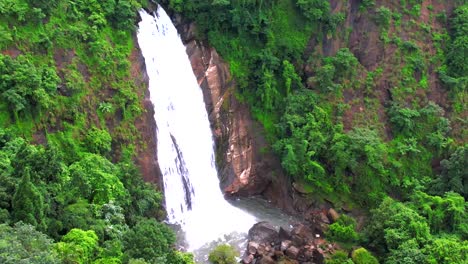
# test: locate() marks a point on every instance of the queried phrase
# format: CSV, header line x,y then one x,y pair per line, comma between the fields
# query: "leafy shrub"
x,y
343,230
340,257
362,256
315,10
454,174
98,141
148,240
223,254
383,17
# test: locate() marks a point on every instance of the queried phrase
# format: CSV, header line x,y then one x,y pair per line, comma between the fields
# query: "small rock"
x,y
285,244
333,215
283,234
308,254
248,259
292,252
297,240
319,256
279,254
324,218
302,231
266,260
261,250
252,247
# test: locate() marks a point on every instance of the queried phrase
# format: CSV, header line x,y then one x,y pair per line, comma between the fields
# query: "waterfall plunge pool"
x,y
261,209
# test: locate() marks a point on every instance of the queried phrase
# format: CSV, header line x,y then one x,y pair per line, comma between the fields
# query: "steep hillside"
x,y
364,102
76,135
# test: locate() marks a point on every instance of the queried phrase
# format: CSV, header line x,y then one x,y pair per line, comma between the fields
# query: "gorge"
x,y
351,115
185,147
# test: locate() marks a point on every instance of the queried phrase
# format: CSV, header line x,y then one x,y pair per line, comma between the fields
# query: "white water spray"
x,y
185,144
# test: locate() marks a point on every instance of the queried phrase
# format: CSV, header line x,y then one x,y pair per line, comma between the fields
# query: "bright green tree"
x,y
343,230
223,254
78,246
95,178
98,141
446,250
362,256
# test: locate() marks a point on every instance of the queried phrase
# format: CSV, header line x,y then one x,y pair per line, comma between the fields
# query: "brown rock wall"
x,y
244,169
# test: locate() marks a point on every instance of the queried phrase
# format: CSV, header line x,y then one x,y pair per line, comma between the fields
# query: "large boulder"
x,y
263,232
292,252
301,234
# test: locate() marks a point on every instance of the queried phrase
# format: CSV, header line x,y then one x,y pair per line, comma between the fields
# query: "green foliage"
x,y
362,256
315,10
408,252
446,251
393,223
428,124
24,244
343,230
28,203
223,254
24,86
59,60
362,155
146,200
447,213
458,48
304,138
339,257
148,240
324,78
366,4
178,257
335,70
78,246
95,178
98,141
454,175
292,80
77,215
383,17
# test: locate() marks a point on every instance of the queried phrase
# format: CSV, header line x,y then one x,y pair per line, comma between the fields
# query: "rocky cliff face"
x,y
146,156
244,169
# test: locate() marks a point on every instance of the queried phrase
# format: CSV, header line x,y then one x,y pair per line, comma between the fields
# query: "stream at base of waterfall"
x,y
194,201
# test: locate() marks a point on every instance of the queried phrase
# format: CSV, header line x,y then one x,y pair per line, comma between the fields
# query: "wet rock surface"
x,y
266,245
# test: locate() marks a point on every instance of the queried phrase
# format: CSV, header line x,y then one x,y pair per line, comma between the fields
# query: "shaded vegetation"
x,y
69,189
358,119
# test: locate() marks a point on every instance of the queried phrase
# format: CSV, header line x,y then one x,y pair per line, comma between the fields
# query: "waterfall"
x,y
184,138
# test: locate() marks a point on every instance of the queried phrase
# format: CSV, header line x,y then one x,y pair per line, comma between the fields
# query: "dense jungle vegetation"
x,y
70,191
355,131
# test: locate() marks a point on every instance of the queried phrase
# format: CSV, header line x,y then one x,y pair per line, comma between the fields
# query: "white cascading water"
x,y
184,138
